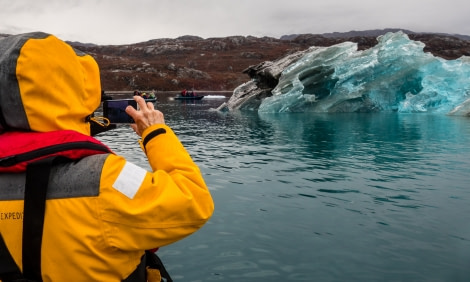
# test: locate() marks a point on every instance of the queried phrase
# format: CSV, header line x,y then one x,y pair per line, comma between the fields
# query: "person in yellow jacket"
x,y
101,211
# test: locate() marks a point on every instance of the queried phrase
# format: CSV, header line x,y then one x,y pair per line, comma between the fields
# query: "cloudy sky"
x,y
131,21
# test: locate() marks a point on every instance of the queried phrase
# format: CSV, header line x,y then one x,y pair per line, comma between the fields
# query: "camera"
x,y
115,110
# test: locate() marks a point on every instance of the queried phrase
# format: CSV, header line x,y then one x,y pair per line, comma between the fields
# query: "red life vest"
x,y
35,153
18,149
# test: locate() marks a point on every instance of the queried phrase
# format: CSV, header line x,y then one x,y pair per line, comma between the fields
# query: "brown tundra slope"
x,y
218,63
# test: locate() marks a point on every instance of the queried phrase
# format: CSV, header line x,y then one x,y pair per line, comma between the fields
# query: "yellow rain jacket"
x,y
114,209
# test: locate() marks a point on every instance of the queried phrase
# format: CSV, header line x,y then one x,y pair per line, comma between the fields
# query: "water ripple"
x,y
322,197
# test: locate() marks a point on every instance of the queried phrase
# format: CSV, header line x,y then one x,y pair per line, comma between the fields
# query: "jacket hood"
x,y
46,85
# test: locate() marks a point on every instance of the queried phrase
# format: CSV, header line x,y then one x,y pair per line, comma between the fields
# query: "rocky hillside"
x,y
218,63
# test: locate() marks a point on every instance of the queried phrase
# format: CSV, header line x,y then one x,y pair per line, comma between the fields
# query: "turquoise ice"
x,y
394,75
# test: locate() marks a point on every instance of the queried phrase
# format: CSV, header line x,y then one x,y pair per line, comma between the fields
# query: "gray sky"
x,y
131,21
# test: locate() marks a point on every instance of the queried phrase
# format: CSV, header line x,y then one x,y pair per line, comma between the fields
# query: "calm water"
x,y
322,197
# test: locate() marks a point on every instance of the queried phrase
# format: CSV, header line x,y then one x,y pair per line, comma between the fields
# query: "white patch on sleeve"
x,y
130,179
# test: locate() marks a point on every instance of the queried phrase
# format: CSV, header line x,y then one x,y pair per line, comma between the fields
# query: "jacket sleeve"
x,y
143,210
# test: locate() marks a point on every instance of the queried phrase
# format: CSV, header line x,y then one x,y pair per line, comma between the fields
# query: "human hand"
x,y
145,117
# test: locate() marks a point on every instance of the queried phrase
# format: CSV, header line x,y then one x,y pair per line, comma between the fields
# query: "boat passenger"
x,y
101,213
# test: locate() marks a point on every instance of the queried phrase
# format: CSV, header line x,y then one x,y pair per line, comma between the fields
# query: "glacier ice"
x,y
394,75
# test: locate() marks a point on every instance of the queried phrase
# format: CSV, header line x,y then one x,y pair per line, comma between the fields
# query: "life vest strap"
x,y
37,181
149,263
154,262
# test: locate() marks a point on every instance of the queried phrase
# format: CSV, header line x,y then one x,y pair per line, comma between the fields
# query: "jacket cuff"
x,y
150,133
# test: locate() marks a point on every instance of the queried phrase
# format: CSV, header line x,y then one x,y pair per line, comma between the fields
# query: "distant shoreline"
x,y
111,92
129,94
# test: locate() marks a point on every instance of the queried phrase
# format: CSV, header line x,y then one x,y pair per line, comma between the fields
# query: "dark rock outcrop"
x,y
264,77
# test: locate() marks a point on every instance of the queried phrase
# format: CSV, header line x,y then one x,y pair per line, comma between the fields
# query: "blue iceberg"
x,y
394,75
